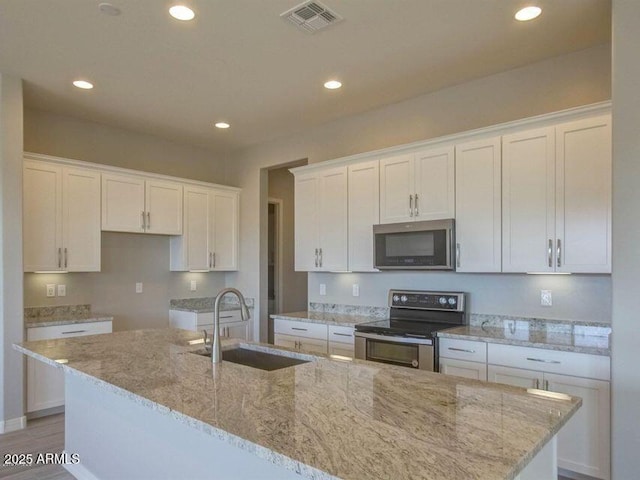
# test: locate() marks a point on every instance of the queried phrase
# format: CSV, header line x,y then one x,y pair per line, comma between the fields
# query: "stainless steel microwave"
x,y
424,245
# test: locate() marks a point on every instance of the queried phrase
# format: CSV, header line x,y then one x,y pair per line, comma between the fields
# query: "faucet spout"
x,y
216,351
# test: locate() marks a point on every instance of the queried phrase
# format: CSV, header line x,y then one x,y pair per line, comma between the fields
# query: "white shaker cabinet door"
x,y
528,201
123,203
583,196
478,206
42,216
197,223
224,230
397,188
163,201
364,213
81,220
464,369
434,184
333,220
517,377
306,223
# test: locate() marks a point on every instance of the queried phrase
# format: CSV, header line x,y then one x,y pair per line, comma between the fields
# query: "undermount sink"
x,y
255,359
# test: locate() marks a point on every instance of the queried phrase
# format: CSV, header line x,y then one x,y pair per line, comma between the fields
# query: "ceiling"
x,y
240,62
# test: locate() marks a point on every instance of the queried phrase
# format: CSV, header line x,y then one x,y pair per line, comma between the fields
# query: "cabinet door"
x,y
45,386
238,330
286,341
42,216
396,186
81,220
364,213
583,196
583,443
435,184
163,202
515,376
341,349
197,225
224,233
478,206
333,220
528,203
306,222
462,368
122,203
312,345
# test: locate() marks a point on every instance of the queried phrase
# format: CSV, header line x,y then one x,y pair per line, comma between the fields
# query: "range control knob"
x,y
442,300
452,301
396,298
403,298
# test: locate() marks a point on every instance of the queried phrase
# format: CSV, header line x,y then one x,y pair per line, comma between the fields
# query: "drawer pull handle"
x,y
461,350
301,329
73,331
226,316
343,334
543,361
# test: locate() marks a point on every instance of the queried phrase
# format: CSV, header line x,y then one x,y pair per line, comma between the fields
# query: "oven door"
x,y
414,245
406,352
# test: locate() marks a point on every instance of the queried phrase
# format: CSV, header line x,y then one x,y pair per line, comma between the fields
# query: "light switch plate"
x,y
194,285
62,290
546,299
355,290
51,290
139,287
323,289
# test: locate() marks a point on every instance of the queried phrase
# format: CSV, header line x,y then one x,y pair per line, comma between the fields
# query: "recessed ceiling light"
x,y
528,13
332,84
222,125
83,84
182,12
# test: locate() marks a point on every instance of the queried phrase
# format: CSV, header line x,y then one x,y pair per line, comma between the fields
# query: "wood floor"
x,y
43,435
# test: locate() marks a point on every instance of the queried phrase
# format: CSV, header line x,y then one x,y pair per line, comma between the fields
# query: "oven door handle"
x,y
392,339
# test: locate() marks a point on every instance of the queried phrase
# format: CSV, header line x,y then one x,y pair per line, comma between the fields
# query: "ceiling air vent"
x,y
311,16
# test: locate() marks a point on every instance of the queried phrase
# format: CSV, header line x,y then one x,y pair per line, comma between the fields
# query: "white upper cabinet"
x,y
210,237
478,206
61,220
557,198
418,186
321,222
133,204
528,201
583,196
364,213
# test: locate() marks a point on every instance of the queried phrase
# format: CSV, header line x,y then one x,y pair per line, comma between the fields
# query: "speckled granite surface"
x,y
360,310
570,336
327,418
61,315
205,304
326,318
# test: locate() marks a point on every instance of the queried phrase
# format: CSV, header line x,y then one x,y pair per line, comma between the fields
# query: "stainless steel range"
x,y
408,338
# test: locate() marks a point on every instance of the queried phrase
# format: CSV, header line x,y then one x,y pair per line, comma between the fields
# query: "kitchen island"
x,y
140,405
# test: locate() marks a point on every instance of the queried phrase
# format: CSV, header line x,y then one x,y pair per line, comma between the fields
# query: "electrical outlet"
x,y
51,290
355,290
546,300
194,285
62,290
139,287
323,289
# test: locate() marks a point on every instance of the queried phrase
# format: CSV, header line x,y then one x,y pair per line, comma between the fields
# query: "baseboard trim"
x,y
13,424
79,471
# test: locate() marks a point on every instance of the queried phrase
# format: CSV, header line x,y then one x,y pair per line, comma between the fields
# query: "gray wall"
x,y
127,258
294,284
11,330
567,81
626,238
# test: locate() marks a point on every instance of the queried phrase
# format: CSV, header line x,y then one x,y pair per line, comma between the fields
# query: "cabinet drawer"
x,y
565,363
300,329
463,349
341,334
66,331
230,316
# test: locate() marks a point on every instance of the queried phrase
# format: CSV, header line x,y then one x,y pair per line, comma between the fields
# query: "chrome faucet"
x,y
216,351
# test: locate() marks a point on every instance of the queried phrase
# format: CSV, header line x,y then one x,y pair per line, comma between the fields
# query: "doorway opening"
x,y
274,257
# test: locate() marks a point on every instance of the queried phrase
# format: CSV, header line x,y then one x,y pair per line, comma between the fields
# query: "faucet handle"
x,y
205,341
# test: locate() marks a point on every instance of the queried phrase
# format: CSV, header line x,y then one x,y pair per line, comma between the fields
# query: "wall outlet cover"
x,y
62,290
51,290
323,289
138,287
355,290
546,299
194,285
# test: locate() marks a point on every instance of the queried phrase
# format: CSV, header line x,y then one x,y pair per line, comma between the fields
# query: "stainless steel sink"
x,y
255,359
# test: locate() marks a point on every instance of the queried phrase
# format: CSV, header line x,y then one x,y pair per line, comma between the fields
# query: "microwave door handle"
x,y
411,205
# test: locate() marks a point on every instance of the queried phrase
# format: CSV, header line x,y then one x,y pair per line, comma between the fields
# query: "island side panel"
x,y
118,438
544,466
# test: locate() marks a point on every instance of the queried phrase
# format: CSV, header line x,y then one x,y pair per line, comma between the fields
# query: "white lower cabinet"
x,y
45,384
314,337
231,323
584,442
463,358
463,368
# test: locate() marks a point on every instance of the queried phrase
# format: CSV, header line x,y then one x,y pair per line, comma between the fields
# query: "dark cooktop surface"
x,y
404,328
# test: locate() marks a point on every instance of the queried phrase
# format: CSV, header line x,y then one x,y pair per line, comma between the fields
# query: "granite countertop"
x,y
328,318
579,337
327,418
61,315
205,304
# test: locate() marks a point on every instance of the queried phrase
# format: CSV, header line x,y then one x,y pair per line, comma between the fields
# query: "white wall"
x,y
555,84
11,331
626,238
